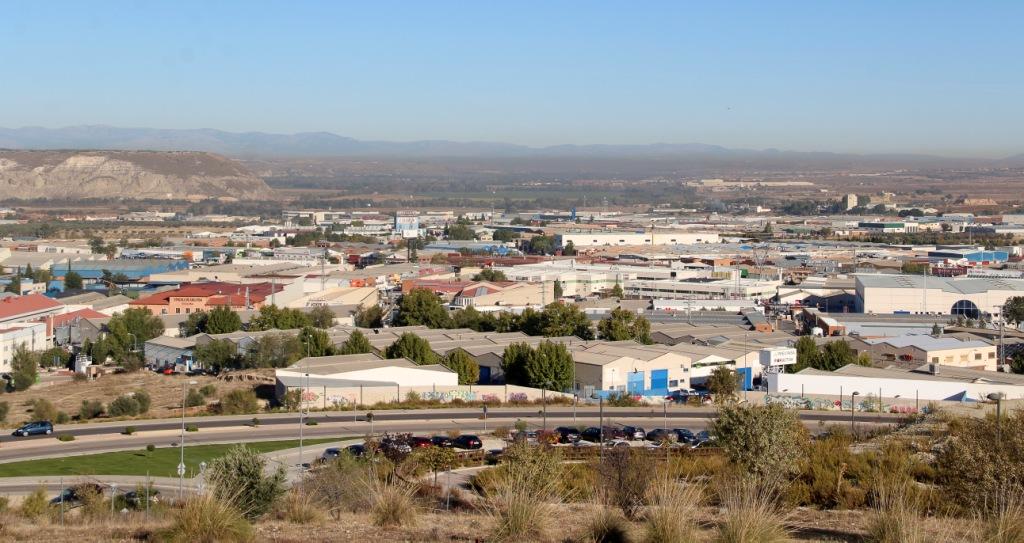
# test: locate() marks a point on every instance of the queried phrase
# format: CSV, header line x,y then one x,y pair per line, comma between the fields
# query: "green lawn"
x,y
163,462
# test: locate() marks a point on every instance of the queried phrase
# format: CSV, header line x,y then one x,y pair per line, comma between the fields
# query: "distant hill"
x,y
128,174
326,144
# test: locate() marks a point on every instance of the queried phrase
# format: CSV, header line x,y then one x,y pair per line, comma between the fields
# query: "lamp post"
x,y
600,410
303,408
853,409
181,443
998,397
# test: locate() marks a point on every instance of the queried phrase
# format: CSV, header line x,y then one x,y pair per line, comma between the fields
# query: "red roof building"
x,y
29,307
195,297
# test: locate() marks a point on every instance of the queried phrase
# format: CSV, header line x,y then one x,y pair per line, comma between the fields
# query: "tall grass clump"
x,y
206,519
35,504
605,525
1007,526
523,496
242,479
896,517
752,514
671,516
392,503
299,507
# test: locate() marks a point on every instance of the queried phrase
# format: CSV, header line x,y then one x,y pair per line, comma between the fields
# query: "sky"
x,y
867,76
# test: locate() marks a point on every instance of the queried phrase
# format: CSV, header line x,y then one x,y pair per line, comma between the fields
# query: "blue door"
x,y
635,382
746,378
485,375
659,382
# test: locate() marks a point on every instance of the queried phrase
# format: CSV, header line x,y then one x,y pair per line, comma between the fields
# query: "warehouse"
x,y
969,297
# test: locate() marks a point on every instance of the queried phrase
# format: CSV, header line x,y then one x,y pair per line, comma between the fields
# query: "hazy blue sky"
x,y
933,76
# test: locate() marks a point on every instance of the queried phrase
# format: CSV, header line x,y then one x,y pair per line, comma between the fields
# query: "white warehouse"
x,y
603,238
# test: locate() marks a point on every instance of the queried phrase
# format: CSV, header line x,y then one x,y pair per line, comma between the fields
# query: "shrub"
x,y
150,448
763,440
238,477
255,421
391,504
144,401
123,406
239,402
671,517
605,525
91,500
62,418
90,409
895,518
207,518
973,470
192,427
622,399
625,476
35,504
525,488
1007,525
311,423
208,390
5,408
298,507
65,437
752,514
341,484
194,398
129,430
43,409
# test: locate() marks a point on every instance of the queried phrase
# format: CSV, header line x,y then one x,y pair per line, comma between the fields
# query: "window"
x,y
977,356
177,310
991,355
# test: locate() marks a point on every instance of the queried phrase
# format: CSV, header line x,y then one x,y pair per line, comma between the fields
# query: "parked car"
x,y
330,454
567,434
683,435
417,442
634,433
593,434
442,441
468,442
528,436
660,434
703,435
358,450
684,394
39,427
136,499
395,444
73,496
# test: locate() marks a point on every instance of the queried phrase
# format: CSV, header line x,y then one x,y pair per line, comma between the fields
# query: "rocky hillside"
x,y
128,174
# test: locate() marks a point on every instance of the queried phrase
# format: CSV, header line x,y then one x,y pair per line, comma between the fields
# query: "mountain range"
x,y
326,144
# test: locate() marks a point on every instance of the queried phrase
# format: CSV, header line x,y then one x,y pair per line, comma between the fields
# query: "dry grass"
x,y
751,514
896,518
671,516
205,519
605,525
299,507
391,503
164,390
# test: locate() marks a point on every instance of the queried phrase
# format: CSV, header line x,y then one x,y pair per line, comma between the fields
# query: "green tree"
x,y
369,317
623,325
15,285
194,398
835,355
422,307
222,320
558,289
194,324
242,478
569,249
541,245
239,402
217,354
24,368
275,350
272,317
72,280
505,235
131,328
123,406
723,384
550,365
437,459
413,347
763,440
1013,310
315,342
90,409
513,363
807,354
474,320
616,291
463,364
321,316
560,319
459,232
355,344
490,274
912,268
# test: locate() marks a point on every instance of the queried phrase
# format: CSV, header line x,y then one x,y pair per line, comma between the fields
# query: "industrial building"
x,y
969,297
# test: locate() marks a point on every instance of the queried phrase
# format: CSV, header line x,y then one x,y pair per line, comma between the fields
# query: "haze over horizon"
x,y
916,77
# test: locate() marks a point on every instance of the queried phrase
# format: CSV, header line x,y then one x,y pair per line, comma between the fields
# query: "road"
x,y
103,437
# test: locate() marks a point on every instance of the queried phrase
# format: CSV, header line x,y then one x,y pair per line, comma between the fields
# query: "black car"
x,y
39,427
137,499
442,441
659,435
329,454
567,434
468,442
634,433
684,435
72,497
593,434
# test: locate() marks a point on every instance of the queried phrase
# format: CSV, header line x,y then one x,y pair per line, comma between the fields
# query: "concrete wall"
x,y
406,377
925,389
328,398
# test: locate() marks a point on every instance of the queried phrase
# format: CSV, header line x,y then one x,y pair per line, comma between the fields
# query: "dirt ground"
x,y
564,526
67,396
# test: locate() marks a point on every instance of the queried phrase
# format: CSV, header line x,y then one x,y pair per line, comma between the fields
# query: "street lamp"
x,y
853,407
303,408
600,407
181,443
998,397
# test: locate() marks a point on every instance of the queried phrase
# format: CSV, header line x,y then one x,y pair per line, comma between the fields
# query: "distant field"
x,y
162,462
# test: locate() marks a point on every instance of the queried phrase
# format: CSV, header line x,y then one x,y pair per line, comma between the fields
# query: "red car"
x,y
417,442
